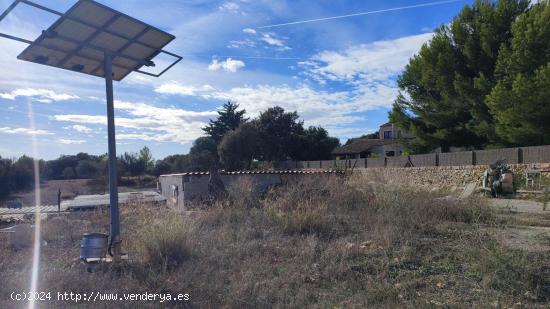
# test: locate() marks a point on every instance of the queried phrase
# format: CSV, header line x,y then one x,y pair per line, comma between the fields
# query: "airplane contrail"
x,y
361,13
260,57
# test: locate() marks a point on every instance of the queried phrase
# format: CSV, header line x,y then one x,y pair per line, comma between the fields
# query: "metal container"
x,y
93,246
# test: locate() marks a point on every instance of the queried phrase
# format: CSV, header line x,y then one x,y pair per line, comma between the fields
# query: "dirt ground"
x,y
520,206
528,228
305,245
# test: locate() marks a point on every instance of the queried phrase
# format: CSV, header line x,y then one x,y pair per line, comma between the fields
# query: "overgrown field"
x,y
330,243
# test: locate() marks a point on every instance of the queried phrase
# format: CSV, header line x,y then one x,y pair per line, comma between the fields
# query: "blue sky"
x,y
337,73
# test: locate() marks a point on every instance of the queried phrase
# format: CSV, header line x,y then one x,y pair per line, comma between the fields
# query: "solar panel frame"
x,y
80,54
126,49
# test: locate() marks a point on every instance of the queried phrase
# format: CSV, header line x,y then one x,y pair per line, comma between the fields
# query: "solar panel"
x,y
78,39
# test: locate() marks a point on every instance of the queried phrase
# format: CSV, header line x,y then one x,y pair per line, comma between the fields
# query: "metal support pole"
x,y
113,187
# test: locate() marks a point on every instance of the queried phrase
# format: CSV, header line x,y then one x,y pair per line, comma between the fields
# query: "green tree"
x,y
130,165
57,166
521,99
161,167
5,180
447,82
146,161
178,163
279,134
199,161
22,173
88,169
68,173
316,144
229,118
239,147
204,143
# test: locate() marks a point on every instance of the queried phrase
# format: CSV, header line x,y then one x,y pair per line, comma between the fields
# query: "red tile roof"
x,y
362,145
305,171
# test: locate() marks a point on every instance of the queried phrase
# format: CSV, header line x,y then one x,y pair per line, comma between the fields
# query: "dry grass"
x,y
325,242
166,244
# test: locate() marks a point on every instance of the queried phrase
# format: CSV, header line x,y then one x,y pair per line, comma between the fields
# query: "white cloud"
x,y
136,136
80,128
24,131
374,62
231,7
272,40
150,123
330,109
269,38
241,43
71,141
176,88
266,37
88,119
40,95
229,65
315,107
368,70
138,79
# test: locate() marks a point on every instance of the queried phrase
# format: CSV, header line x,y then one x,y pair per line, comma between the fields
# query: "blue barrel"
x,y
93,246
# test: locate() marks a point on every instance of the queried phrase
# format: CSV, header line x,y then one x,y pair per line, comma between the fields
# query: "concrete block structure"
x,y
181,189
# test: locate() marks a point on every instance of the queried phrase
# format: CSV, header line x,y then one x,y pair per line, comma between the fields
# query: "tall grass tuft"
x,y
167,245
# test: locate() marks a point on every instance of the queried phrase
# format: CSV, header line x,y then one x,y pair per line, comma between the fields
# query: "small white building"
x,y
180,189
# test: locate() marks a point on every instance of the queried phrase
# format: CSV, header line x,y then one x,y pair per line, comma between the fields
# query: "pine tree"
x,y
521,99
443,88
229,118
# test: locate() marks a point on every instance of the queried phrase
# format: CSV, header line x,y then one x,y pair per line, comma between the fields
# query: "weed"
x,y
166,245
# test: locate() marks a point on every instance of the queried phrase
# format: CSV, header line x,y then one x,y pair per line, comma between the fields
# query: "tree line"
x,y
482,81
18,174
231,142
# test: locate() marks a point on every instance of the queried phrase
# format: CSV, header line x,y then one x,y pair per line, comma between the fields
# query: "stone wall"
x,y
437,177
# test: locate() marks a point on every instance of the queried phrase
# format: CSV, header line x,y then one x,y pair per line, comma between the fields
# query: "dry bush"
x,y
166,245
307,206
309,217
398,216
241,194
315,242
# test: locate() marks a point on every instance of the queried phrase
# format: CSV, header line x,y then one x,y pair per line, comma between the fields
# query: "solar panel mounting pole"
x,y
77,41
113,185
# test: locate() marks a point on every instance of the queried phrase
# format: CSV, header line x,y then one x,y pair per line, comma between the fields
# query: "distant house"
x,y
387,144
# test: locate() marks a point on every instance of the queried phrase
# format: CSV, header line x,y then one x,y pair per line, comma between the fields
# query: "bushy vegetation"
x,y
482,81
232,142
275,135
166,244
326,242
18,174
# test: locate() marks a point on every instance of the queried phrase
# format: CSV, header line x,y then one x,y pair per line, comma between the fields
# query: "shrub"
x,y
167,245
241,194
306,218
306,206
